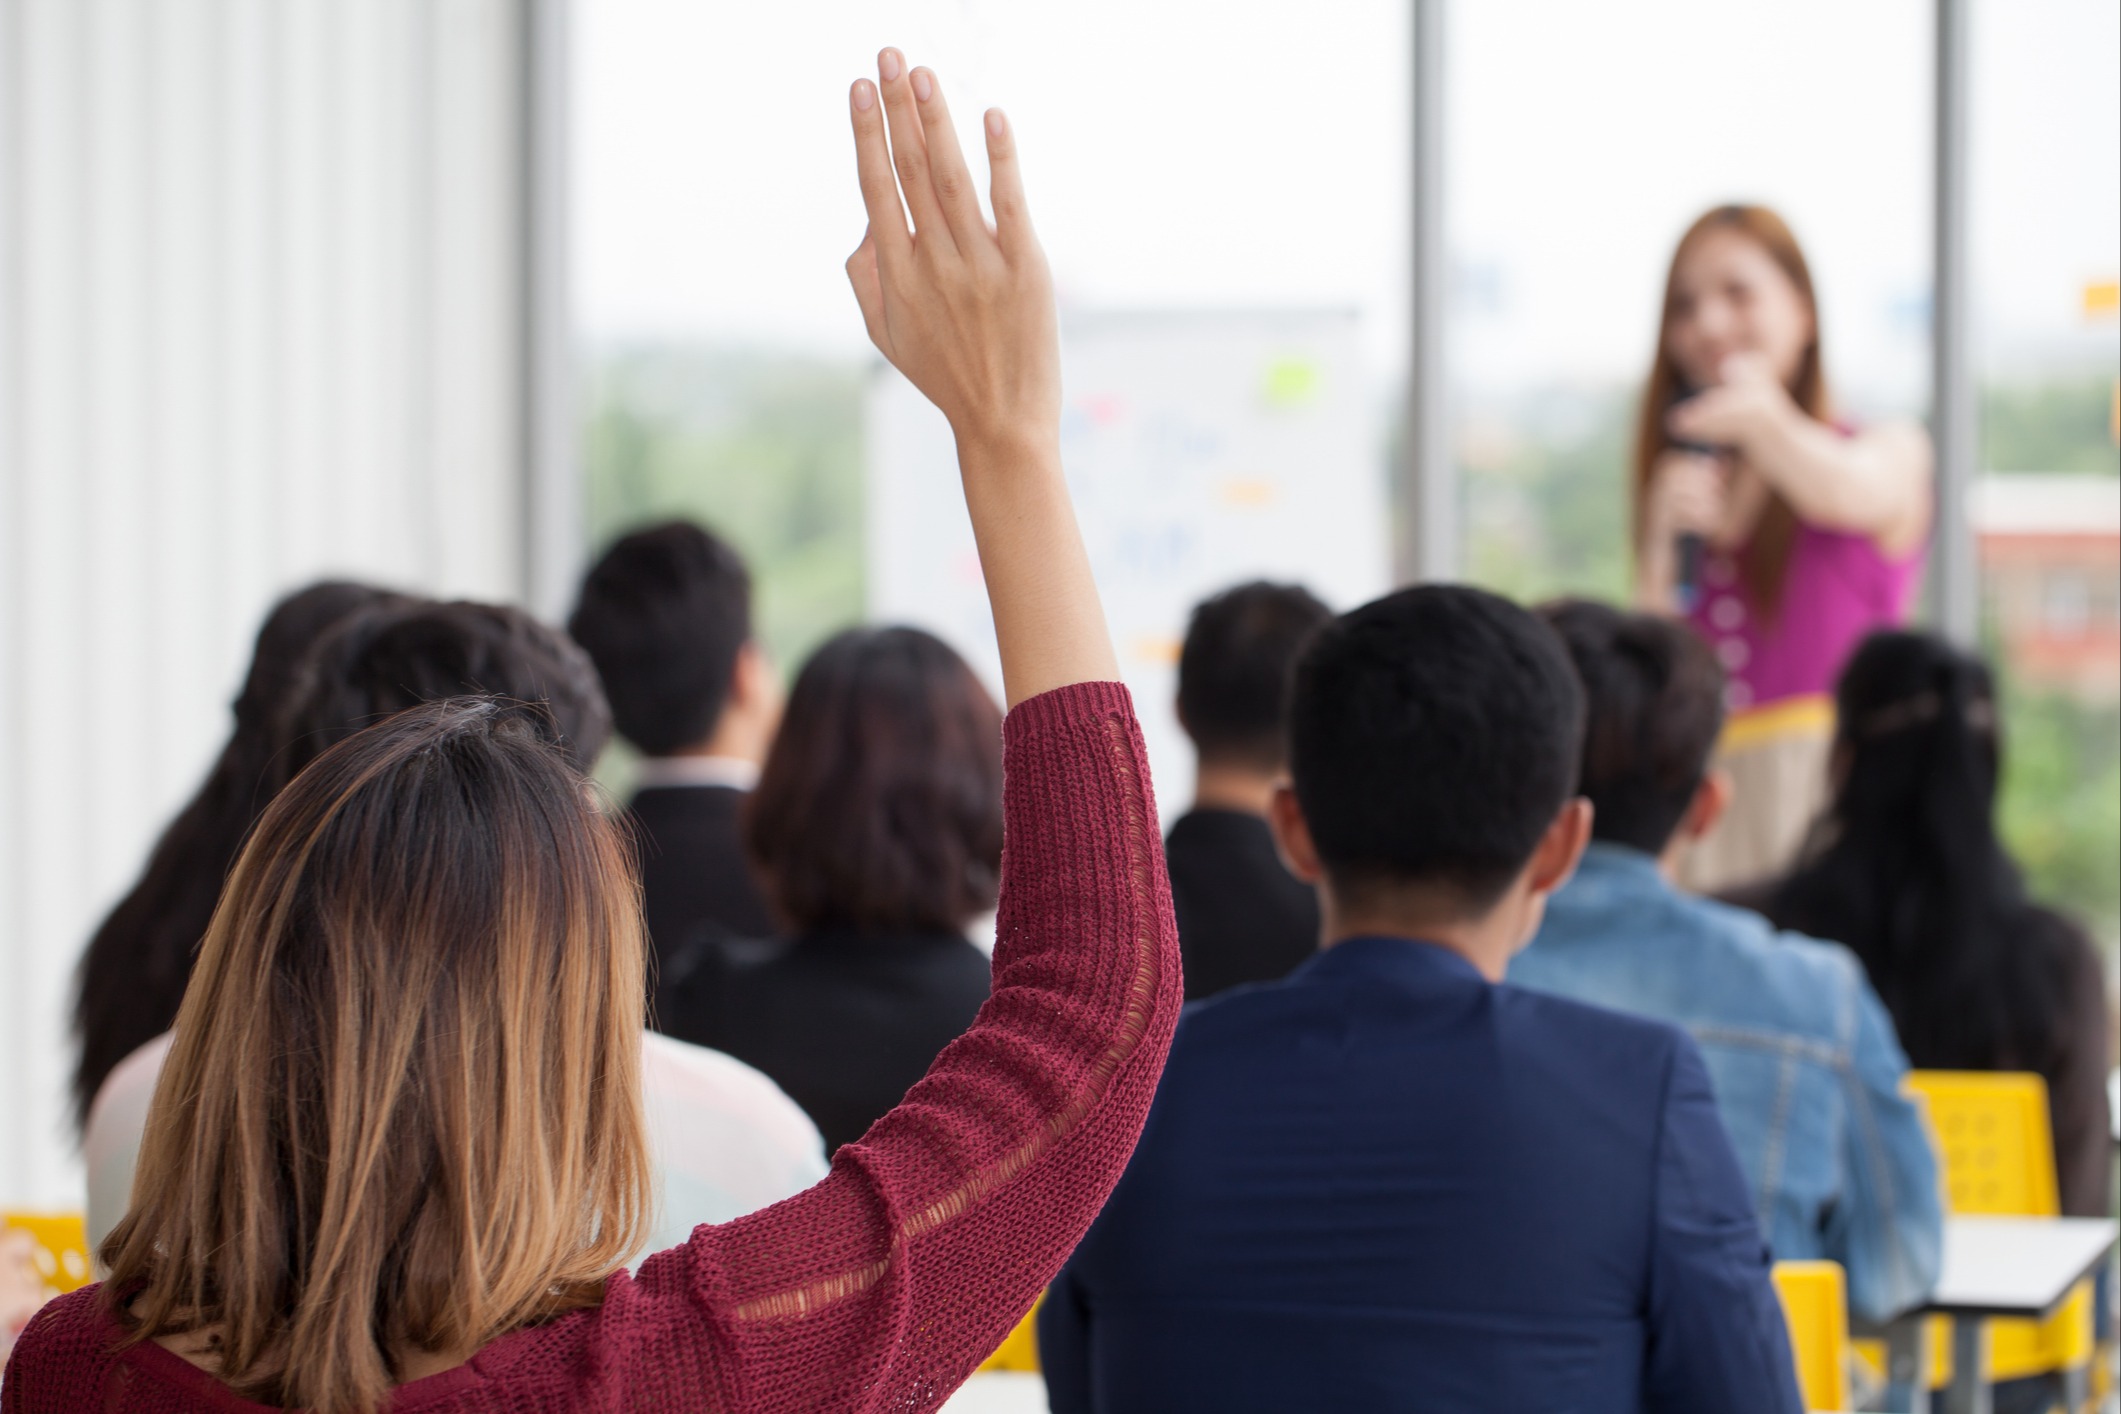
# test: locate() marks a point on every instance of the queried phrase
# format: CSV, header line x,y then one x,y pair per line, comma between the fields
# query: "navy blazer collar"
x,y
1407,961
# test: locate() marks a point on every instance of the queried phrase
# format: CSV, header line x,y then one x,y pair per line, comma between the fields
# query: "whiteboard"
x,y
1203,449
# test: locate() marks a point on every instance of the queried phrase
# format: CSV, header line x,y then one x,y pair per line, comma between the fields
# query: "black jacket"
x,y
1242,917
694,876
844,1022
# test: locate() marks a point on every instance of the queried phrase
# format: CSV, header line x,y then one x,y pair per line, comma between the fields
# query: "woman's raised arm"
x,y
885,1285
965,311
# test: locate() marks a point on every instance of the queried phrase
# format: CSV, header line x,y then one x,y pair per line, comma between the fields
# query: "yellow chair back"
x,y
1815,1303
62,1246
1998,1156
1019,1349
1993,1141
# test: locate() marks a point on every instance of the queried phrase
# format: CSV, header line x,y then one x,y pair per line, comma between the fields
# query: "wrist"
x,y
1018,442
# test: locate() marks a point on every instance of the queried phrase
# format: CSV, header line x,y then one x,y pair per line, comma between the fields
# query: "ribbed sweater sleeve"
x,y
887,1284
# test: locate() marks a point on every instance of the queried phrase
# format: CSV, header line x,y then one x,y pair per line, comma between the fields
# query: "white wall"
x,y
263,274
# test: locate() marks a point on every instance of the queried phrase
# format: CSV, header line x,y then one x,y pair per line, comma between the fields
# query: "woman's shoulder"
x,y
61,1354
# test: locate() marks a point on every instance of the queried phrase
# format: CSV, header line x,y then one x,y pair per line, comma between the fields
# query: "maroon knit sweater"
x,y
884,1286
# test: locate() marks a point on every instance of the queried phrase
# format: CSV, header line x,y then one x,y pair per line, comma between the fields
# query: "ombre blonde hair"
x,y
402,1109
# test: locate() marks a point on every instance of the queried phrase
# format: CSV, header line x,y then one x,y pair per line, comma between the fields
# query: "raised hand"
x,y
963,309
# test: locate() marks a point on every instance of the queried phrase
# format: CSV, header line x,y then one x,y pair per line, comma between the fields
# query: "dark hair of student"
x,y
1233,673
1906,869
879,807
1653,708
135,969
663,615
381,661
1433,738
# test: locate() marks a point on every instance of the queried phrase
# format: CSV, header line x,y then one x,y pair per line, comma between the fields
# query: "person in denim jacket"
x,y
1806,1067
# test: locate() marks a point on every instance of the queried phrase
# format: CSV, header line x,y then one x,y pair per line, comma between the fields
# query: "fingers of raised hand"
x,y
946,166
1012,219
872,159
909,148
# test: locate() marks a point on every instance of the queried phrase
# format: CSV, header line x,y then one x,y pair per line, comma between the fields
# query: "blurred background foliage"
x,y
766,447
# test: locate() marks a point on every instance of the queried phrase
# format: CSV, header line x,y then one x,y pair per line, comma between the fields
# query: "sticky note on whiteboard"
x,y
1290,382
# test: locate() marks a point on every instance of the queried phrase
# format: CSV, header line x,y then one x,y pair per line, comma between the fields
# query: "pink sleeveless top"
x,y
1839,588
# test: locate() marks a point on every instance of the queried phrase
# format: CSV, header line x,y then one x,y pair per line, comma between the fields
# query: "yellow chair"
x,y
1019,1349
62,1246
1998,1157
1815,1303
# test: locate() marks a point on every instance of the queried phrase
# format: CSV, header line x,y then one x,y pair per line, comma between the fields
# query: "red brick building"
x,y
2051,570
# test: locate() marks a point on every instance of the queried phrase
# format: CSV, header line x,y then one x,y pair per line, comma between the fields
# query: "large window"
x,y
1582,140
1180,156
2046,255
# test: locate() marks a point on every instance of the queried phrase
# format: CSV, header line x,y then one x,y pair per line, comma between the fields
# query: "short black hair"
x,y
1653,698
379,661
664,614
1433,738
1233,673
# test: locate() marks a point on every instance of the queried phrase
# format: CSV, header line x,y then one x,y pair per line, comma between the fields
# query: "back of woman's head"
x,y
401,1112
1907,869
134,971
880,805
391,657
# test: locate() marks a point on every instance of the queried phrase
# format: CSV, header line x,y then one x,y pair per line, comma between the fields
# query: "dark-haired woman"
x,y
133,974
1906,869
1780,532
876,827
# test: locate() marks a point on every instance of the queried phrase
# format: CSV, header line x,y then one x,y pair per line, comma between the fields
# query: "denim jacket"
x,y
1802,1055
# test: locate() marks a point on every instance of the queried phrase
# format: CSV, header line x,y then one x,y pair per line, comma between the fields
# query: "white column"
x,y
1431,528
1954,416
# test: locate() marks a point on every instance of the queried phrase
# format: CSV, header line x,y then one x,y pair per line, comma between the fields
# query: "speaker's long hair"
x,y
402,1111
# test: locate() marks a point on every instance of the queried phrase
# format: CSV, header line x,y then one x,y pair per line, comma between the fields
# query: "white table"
x,y
2018,1267
999,1393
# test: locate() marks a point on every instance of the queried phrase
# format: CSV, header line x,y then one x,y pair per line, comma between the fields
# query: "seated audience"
x,y
1242,916
1907,870
877,829
1806,1071
666,617
397,1156
725,1141
133,973
1389,1181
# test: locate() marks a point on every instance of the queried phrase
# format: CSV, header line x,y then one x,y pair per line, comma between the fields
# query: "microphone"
x,y
1689,547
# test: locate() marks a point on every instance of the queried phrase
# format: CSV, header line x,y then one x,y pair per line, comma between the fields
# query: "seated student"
x,y
132,976
726,1141
1388,1181
877,828
1242,916
1908,871
1806,1069
413,1184
666,617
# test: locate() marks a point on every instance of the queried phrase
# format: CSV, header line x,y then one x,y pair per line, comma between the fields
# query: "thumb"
x,y
868,282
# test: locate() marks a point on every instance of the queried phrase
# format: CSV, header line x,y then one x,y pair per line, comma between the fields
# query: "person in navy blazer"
x,y
1388,1181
